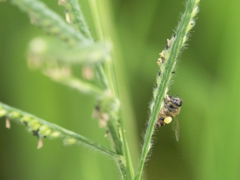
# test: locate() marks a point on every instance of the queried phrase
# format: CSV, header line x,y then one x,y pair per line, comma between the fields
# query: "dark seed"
x,y
35,133
159,73
97,108
163,59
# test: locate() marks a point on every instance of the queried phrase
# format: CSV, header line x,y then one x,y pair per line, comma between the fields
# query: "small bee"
x,y
171,108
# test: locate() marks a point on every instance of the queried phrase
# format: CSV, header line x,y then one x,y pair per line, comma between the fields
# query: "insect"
x,y
171,108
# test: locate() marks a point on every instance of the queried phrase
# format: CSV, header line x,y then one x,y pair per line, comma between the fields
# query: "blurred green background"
x,y
206,78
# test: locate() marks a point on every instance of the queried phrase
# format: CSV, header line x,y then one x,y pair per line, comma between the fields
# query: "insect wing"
x,y
175,127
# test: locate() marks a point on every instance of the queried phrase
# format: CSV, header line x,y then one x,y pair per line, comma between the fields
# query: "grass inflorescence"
x,y
169,58
77,47
44,129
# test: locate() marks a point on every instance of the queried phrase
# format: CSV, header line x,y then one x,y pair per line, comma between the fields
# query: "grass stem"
x,y
176,47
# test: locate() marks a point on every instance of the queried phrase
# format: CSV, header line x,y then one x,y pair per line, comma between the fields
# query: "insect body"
x,y
171,108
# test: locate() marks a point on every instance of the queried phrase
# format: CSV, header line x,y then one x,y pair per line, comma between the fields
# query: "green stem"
x,y
107,81
129,171
176,47
96,16
115,137
102,76
75,17
82,25
129,165
64,132
100,69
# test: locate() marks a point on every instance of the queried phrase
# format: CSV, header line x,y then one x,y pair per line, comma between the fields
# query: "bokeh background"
x,y
206,78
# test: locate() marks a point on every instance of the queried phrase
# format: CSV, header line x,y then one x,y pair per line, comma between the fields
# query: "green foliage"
x,y
206,79
44,56
56,67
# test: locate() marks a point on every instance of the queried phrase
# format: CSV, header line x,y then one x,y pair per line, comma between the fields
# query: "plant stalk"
x,y
176,47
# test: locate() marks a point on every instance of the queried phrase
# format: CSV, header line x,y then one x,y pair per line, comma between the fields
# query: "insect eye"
x,y
171,106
